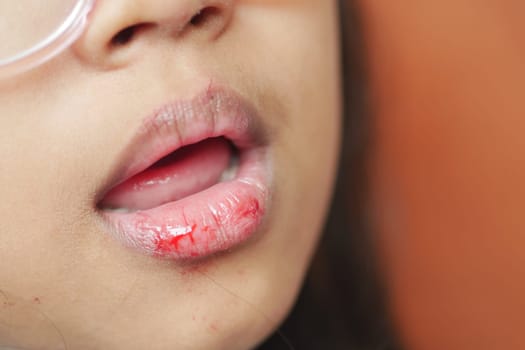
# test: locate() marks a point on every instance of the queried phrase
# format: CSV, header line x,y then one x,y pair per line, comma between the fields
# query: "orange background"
x,y
448,168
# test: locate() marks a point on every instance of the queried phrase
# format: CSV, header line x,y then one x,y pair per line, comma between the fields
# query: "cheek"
x,y
292,52
310,84
44,184
300,52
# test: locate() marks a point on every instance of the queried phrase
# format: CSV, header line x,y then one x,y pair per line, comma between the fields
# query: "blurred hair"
x,y
342,304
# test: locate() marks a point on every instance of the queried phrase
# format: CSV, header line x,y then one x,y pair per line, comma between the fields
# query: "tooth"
x,y
118,210
230,172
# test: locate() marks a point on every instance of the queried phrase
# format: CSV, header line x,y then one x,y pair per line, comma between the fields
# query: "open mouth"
x,y
195,179
188,170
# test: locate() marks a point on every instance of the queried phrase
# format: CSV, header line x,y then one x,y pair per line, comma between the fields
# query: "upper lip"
x,y
216,111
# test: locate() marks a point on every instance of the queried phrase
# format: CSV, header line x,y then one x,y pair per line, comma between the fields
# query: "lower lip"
x,y
209,222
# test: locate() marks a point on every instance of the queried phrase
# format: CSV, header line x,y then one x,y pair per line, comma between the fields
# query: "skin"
x,y
448,168
65,283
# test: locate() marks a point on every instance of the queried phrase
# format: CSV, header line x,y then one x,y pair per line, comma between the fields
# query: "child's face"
x,y
189,261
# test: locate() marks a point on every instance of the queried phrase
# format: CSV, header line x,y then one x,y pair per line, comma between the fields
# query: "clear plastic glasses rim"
x,y
52,45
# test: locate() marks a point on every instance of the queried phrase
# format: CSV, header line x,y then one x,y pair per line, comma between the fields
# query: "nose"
x,y
118,26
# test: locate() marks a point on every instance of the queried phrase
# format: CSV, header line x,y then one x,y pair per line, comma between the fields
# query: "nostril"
x,y
205,16
124,36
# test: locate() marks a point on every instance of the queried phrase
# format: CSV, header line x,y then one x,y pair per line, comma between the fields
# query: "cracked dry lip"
x,y
217,218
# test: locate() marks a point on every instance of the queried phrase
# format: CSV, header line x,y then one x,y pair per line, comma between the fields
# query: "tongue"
x,y
188,170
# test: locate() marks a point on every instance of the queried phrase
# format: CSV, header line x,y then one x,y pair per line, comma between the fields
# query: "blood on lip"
x,y
167,245
181,239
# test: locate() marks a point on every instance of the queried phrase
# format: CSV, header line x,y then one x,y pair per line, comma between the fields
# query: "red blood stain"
x,y
251,210
167,245
210,232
